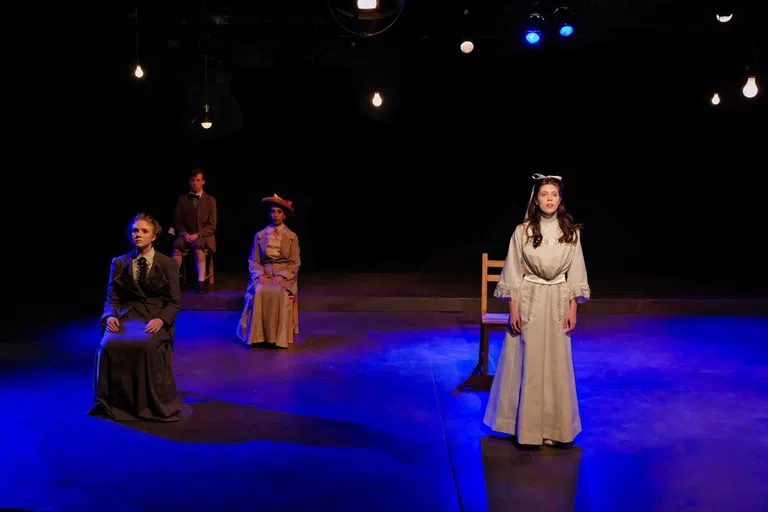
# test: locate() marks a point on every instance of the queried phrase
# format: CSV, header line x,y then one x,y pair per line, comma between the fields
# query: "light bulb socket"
x,y
206,122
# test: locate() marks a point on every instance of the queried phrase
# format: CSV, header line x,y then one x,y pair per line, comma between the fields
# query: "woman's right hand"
x,y
514,317
113,324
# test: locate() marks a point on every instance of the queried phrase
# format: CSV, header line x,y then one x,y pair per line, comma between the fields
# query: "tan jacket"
x,y
285,265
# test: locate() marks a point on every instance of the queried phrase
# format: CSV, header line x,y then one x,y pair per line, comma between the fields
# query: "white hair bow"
x,y
538,176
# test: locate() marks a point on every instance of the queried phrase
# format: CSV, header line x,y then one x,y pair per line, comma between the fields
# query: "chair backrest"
x,y
488,277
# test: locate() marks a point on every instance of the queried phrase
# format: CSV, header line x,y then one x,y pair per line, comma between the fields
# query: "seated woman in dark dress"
x,y
133,376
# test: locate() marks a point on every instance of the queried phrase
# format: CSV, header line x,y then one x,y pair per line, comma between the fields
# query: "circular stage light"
x,y
366,19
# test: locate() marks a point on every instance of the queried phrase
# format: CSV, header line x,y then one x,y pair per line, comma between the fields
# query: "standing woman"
x,y
274,264
133,378
533,395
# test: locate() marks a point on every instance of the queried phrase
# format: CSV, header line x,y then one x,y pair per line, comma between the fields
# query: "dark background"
x,y
442,172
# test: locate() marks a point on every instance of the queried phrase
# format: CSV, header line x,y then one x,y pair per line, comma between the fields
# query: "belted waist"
x,y
540,280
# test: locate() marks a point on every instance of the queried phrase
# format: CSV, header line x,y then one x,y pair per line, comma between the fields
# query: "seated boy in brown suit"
x,y
195,224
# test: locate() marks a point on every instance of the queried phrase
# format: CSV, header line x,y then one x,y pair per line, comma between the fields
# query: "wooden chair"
x,y
208,268
488,320
295,300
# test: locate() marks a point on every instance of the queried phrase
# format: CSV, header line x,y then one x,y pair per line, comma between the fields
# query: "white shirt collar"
x,y
150,256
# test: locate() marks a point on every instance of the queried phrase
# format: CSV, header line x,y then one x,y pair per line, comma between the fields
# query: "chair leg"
x,y
183,269
483,362
296,315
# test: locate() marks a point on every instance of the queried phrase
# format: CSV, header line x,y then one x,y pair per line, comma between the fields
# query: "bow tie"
x,y
195,196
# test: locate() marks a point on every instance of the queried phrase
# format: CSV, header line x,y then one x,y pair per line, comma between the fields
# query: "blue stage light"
x,y
563,19
532,37
533,28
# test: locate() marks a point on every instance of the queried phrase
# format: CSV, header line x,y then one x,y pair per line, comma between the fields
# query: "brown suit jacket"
x,y
201,220
158,298
286,265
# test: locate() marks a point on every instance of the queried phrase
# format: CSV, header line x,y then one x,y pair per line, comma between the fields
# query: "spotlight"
x,y
365,18
563,19
723,10
534,27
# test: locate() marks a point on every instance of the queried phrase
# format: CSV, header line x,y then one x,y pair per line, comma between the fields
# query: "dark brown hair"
x,y
564,219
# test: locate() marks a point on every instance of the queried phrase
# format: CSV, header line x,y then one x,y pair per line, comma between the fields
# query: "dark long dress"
x,y
133,374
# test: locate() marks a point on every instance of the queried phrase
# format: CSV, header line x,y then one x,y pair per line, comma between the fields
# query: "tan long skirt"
x,y
267,316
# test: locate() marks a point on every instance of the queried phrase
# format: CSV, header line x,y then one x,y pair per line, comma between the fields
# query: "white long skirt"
x,y
533,395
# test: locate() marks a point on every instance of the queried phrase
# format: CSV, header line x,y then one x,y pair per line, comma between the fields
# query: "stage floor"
x,y
363,413
460,294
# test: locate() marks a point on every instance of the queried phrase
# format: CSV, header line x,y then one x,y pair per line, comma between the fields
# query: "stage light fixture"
x,y
563,20
206,122
534,28
723,10
365,18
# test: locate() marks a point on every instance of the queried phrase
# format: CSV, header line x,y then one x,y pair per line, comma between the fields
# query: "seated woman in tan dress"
x,y
274,263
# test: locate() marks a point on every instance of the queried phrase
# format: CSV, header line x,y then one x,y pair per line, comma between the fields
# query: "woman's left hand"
x,y
570,317
153,325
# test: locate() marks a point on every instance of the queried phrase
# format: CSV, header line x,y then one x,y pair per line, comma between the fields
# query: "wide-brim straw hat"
x,y
285,204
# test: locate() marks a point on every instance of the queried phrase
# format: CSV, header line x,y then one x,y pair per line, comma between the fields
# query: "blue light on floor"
x,y
372,395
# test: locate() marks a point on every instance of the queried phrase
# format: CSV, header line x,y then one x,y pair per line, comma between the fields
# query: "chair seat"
x,y
496,318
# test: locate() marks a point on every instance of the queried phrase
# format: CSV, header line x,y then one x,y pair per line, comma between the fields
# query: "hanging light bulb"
x,y
750,88
724,18
376,100
367,5
138,72
716,99
206,122
467,46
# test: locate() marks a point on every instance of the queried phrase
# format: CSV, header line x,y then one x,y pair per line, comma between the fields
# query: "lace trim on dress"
x,y
504,291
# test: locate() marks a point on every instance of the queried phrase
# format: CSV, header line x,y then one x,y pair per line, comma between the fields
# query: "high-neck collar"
x,y
149,256
548,221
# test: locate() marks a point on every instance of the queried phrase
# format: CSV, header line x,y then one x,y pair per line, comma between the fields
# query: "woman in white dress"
x,y
533,396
